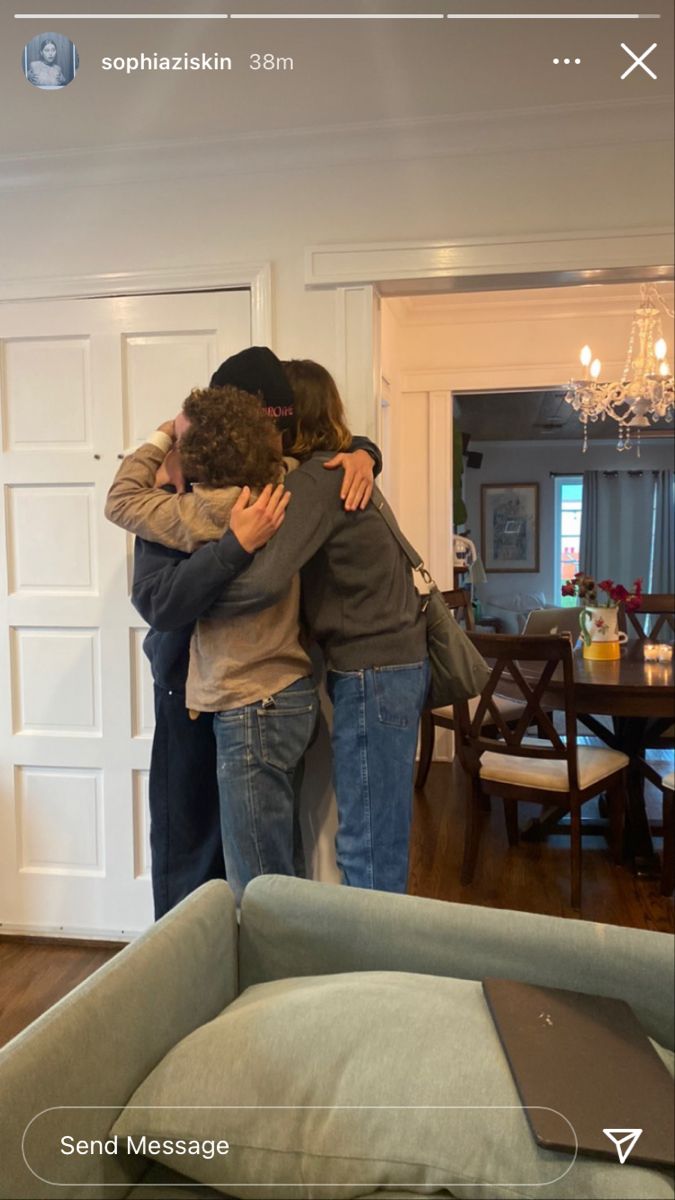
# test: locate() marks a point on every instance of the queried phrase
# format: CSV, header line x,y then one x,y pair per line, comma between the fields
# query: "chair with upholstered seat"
x,y
660,606
443,718
508,764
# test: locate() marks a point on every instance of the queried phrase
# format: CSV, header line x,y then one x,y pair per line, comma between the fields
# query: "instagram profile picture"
x,y
50,61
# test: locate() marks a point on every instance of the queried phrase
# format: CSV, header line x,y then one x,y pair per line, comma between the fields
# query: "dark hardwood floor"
x,y
34,975
530,877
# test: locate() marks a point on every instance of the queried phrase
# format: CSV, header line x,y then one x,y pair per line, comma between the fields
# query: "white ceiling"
x,y
345,72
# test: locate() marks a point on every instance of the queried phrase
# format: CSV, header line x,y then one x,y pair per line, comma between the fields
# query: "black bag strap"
x,y
416,561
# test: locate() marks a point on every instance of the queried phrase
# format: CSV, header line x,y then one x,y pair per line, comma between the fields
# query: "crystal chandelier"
x,y
645,390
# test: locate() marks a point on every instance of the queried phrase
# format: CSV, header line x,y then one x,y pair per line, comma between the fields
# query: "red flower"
x,y
567,589
637,587
606,585
619,594
633,603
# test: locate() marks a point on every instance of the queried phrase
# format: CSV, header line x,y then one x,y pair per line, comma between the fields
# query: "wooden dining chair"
x,y
654,604
540,770
660,605
458,602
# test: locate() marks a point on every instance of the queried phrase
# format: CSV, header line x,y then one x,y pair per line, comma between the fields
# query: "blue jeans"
x,y
376,714
260,750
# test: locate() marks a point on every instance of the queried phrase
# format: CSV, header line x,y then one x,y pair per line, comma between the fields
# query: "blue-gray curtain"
x,y
616,526
663,563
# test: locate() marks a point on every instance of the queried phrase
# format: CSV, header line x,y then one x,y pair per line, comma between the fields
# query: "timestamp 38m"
x,y
269,62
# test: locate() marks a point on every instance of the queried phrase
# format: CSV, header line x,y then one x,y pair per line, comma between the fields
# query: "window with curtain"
x,y
628,526
567,532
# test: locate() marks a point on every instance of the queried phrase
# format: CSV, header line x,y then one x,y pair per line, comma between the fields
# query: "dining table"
x,y
639,698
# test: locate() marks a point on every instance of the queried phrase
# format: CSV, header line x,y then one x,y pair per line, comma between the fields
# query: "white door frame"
x,y
256,276
360,274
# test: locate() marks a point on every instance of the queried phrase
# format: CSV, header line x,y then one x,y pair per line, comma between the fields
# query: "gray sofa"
x,y
511,608
96,1047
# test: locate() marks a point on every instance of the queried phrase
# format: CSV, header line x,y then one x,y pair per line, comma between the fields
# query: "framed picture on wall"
x,y
510,526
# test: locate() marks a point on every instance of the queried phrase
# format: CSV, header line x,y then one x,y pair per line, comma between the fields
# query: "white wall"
x,y
187,218
211,214
114,227
532,462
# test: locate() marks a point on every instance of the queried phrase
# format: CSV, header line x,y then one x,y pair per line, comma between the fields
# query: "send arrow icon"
x,y
624,1140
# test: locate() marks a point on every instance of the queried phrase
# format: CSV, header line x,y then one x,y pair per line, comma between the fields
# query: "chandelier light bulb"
x,y
643,392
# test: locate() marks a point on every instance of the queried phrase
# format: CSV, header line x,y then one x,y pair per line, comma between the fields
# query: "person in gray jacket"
x,y
360,604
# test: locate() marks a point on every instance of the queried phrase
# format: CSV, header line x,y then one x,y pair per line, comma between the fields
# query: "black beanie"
x,y
258,371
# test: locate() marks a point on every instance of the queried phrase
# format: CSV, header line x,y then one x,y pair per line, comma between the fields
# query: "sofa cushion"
x,y
360,1080
292,927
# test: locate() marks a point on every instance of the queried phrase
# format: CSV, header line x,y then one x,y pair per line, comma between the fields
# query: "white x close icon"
x,y
639,60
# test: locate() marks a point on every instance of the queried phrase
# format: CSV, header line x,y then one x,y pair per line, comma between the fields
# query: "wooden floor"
x,y
528,877
34,975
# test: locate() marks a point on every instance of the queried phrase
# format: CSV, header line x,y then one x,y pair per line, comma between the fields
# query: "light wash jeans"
x,y
376,715
260,750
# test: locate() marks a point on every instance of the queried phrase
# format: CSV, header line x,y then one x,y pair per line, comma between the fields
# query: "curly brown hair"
x,y
230,440
320,422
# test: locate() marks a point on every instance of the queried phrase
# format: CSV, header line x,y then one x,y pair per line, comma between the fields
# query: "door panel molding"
x,y
254,275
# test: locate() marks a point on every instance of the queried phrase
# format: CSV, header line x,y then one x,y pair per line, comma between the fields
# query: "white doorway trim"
x,y
257,276
360,274
410,263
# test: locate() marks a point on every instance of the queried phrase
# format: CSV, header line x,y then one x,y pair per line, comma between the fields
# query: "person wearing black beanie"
x,y
258,371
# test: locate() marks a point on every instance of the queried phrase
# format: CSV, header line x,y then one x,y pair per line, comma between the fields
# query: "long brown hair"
x,y
319,413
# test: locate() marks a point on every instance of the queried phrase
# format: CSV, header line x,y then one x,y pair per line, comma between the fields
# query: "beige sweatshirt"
x,y
233,661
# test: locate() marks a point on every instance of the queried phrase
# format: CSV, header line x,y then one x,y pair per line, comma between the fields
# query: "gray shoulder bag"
x,y
458,671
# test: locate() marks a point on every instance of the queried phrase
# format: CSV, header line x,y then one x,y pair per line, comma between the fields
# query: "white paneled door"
x,y
81,381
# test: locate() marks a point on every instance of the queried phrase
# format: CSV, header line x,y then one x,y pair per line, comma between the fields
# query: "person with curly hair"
x,y
252,673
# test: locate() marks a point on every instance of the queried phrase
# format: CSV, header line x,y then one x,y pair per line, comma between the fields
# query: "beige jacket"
x,y
235,661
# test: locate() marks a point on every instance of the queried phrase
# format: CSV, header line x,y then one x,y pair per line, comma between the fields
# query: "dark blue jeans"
x,y
376,715
185,840
260,756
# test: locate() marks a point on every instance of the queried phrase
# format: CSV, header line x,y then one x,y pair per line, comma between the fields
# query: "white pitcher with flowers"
x,y
602,638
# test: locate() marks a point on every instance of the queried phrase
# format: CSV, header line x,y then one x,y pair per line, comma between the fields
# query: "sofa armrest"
x,y
97,1044
292,927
